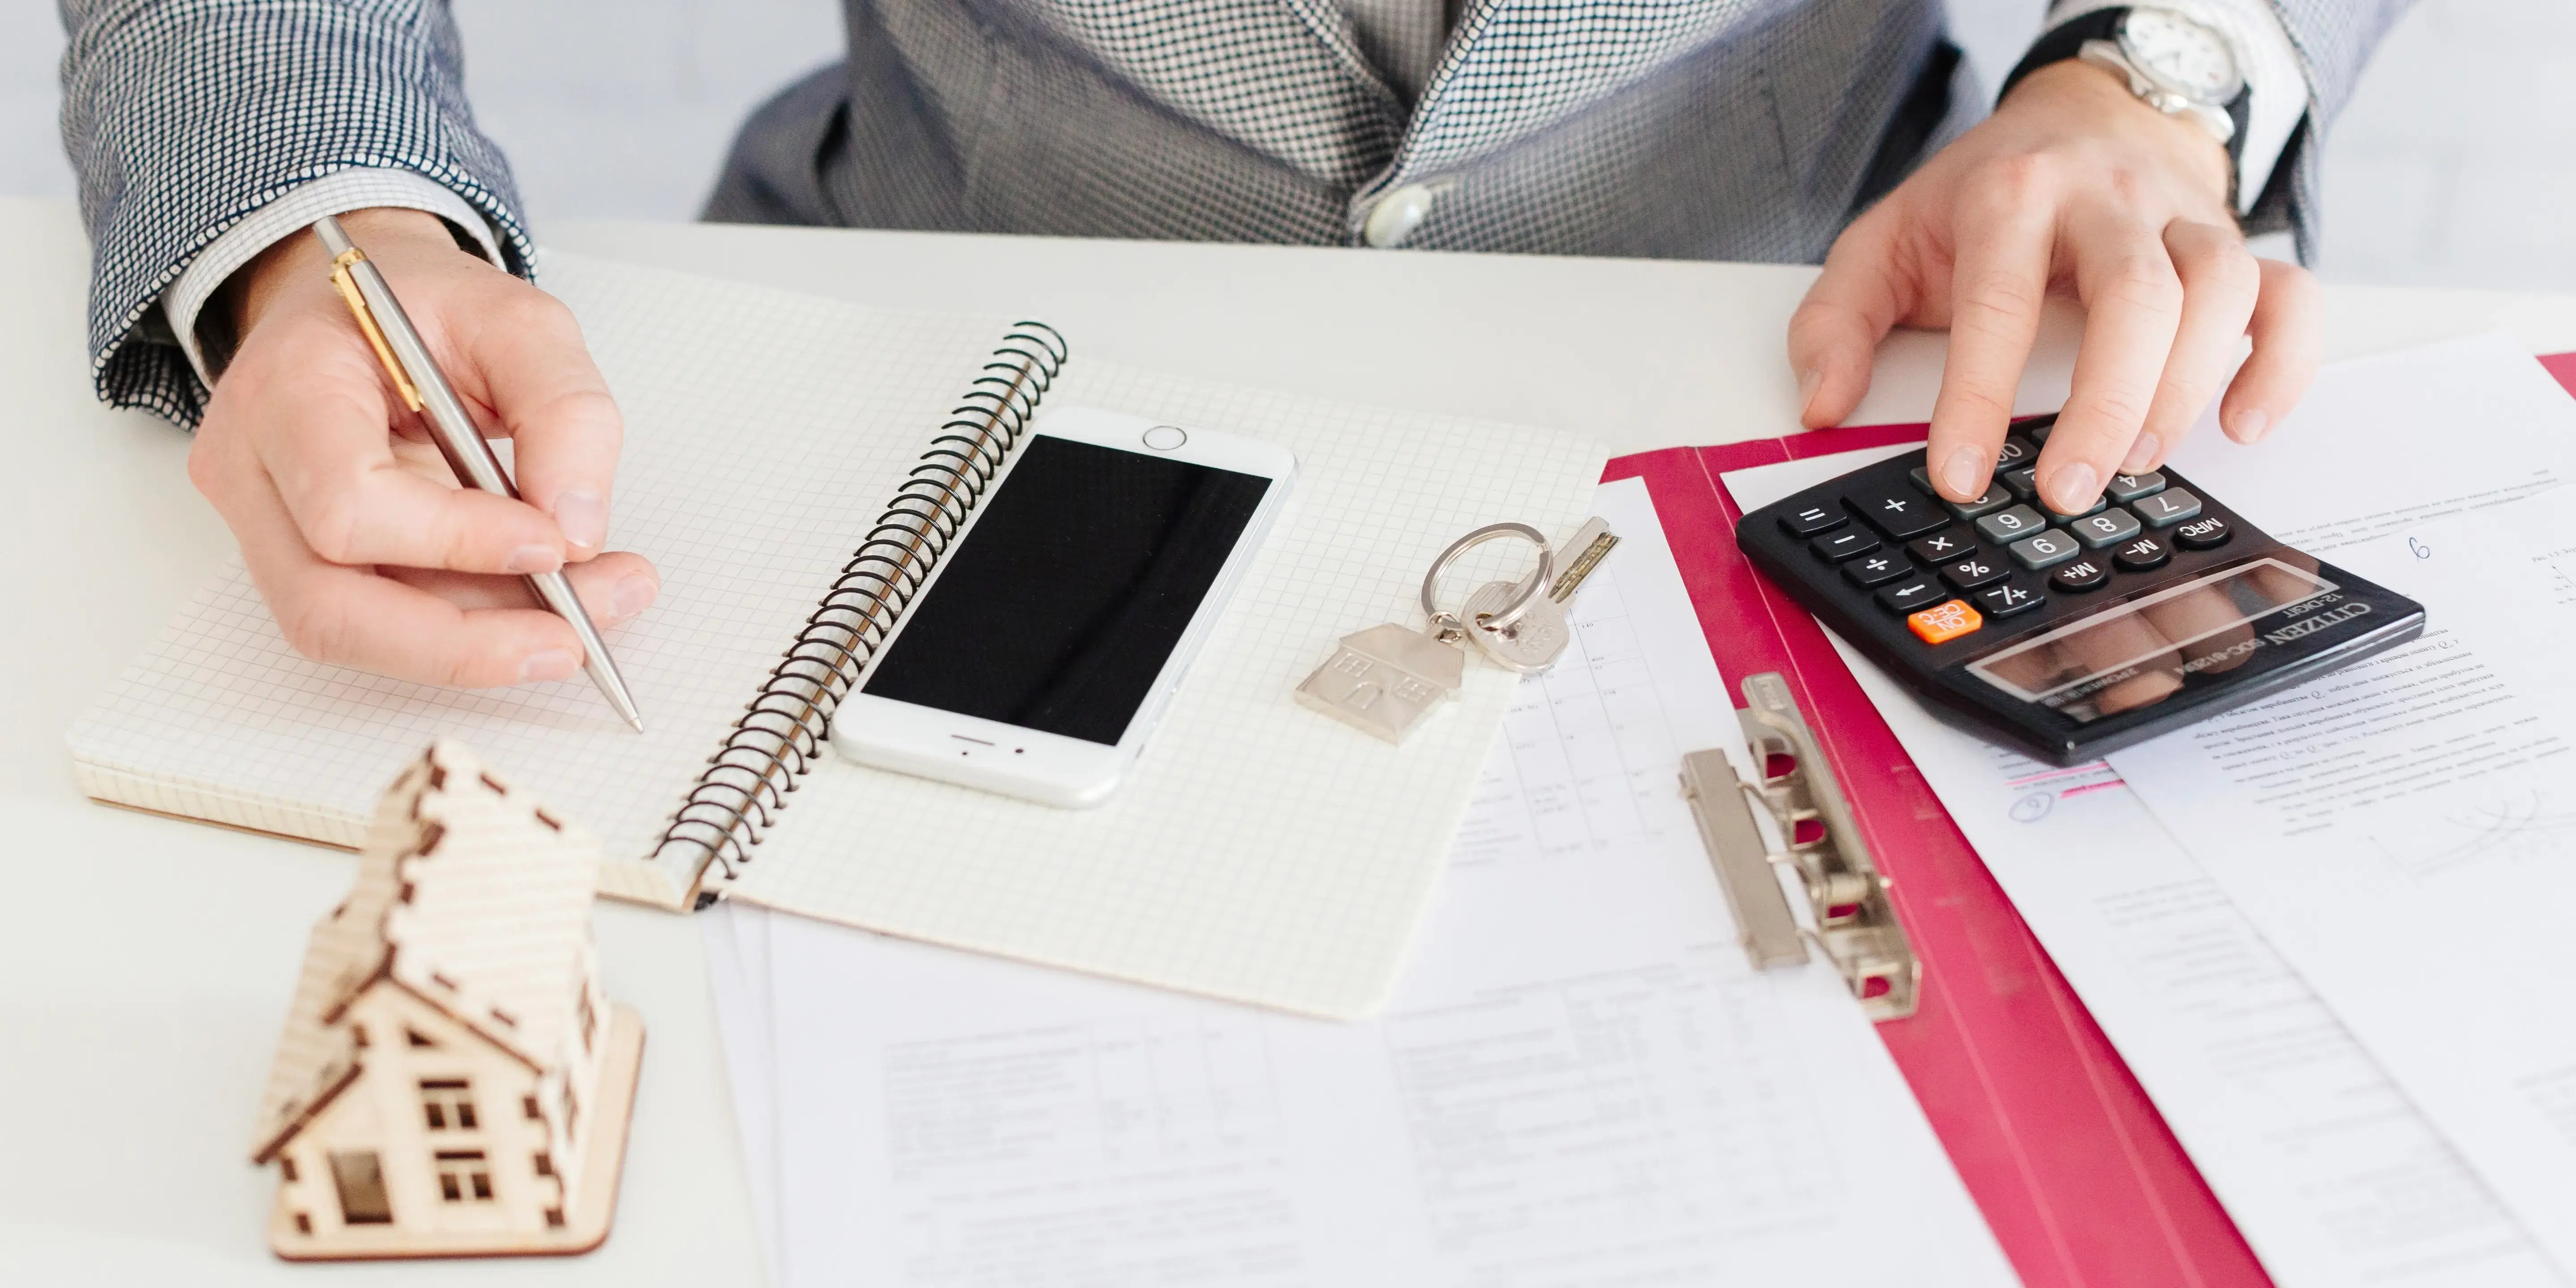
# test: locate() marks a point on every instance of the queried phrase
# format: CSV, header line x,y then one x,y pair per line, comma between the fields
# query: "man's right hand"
x,y
354,529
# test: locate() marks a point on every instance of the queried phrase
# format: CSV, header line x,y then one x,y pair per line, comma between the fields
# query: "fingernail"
x,y
2073,488
2251,425
2142,454
548,664
528,559
583,518
633,595
1960,475
1809,380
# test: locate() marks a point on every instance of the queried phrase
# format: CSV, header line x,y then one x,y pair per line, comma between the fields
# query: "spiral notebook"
x,y
793,466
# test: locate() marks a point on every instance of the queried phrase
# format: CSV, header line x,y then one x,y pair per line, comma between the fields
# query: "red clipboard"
x,y
2077,1174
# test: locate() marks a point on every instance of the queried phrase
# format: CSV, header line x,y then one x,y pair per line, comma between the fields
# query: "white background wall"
x,y
2455,165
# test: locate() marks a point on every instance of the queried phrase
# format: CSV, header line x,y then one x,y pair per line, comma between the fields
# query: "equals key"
x,y
1808,520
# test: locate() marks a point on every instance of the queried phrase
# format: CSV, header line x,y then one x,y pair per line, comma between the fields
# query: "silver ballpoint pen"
x,y
424,390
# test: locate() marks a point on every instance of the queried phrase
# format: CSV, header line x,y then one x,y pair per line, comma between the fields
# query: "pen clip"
x,y
348,287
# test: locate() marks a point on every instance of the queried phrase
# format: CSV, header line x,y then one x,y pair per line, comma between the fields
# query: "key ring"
x,y
1523,595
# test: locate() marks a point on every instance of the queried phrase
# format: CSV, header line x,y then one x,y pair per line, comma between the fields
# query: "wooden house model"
x,y
451,1081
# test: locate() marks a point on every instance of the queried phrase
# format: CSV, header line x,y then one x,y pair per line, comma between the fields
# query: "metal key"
x,y
1591,544
1531,643
1538,638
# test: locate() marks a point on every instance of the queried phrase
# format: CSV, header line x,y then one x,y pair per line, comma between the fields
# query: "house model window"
x,y
446,1103
462,1175
468,933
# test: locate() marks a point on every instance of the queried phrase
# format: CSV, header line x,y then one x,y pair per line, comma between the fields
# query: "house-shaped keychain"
x,y
1385,679
452,1082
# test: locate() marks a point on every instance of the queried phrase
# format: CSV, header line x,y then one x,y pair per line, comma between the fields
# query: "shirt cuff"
x,y
336,193
2273,74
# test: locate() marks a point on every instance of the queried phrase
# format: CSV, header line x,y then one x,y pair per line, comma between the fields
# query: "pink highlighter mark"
x,y
2071,771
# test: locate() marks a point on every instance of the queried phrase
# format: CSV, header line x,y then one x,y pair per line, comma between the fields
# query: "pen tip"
x,y
637,721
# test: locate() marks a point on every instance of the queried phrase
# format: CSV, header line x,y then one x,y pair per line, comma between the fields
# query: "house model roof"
x,y
469,896
1411,650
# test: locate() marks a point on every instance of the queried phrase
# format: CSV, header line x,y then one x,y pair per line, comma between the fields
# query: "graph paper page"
x,y
1581,1080
765,433
1259,850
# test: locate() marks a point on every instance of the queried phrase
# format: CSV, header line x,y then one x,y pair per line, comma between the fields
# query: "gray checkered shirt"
x,y
1708,129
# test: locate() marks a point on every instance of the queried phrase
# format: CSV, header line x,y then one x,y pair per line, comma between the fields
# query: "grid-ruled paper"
x,y
765,433
1259,851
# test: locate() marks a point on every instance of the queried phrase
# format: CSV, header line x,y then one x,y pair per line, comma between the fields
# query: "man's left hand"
x,y
2072,185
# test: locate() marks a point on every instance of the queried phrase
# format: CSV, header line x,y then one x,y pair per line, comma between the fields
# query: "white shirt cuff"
x,y
336,193
2273,73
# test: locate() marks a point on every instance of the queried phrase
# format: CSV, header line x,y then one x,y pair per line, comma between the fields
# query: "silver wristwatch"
x,y
2177,64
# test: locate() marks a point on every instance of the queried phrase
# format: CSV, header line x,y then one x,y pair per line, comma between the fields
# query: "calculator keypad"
x,y
1943,623
2100,503
1942,547
1948,571
1875,570
1907,596
2167,508
2108,528
1843,545
2142,555
2203,534
2008,599
2004,527
2081,575
2044,550
1974,571
1807,521
1899,514
2129,487
1995,498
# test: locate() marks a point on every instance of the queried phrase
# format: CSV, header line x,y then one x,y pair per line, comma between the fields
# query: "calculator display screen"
x,y
2141,652
1077,581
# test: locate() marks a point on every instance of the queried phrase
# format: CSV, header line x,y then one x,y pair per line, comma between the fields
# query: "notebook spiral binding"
x,y
780,733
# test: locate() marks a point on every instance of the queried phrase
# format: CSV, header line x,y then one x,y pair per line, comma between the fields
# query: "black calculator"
x,y
2066,635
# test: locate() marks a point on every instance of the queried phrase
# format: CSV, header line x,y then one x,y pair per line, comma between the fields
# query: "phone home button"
x,y
1166,438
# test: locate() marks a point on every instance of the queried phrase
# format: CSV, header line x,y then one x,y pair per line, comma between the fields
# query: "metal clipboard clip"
x,y
1852,920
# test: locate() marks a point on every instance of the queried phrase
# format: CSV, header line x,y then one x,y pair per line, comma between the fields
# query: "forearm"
x,y
182,117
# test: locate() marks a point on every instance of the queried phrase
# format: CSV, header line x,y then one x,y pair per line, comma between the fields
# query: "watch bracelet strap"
x,y
2067,38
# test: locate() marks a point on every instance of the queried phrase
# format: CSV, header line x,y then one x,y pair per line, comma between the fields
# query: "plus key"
x,y
1901,513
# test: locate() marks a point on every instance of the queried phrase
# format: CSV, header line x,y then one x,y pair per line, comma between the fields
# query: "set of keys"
x,y
1531,640
1387,678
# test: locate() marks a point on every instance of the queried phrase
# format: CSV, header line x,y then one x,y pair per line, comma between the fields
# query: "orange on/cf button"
x,y
1942,623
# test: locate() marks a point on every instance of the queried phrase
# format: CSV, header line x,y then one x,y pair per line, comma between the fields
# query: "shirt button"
x,y
1397,214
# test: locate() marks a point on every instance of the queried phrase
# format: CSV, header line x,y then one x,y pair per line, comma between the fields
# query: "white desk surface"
x,y
145,964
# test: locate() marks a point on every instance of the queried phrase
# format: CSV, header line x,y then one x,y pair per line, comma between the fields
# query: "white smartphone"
x,y
1058,624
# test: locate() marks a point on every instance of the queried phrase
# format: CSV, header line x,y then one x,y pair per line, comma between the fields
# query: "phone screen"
x,y
1077,580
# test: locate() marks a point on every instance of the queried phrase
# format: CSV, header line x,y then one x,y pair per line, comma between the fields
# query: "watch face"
x,y
2188,57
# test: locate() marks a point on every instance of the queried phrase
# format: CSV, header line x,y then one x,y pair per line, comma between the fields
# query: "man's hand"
x,y
2072,184
353,527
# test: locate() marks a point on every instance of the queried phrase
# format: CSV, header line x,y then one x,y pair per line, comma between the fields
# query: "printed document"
x,y
2333,1175
1581,1081
2404,832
